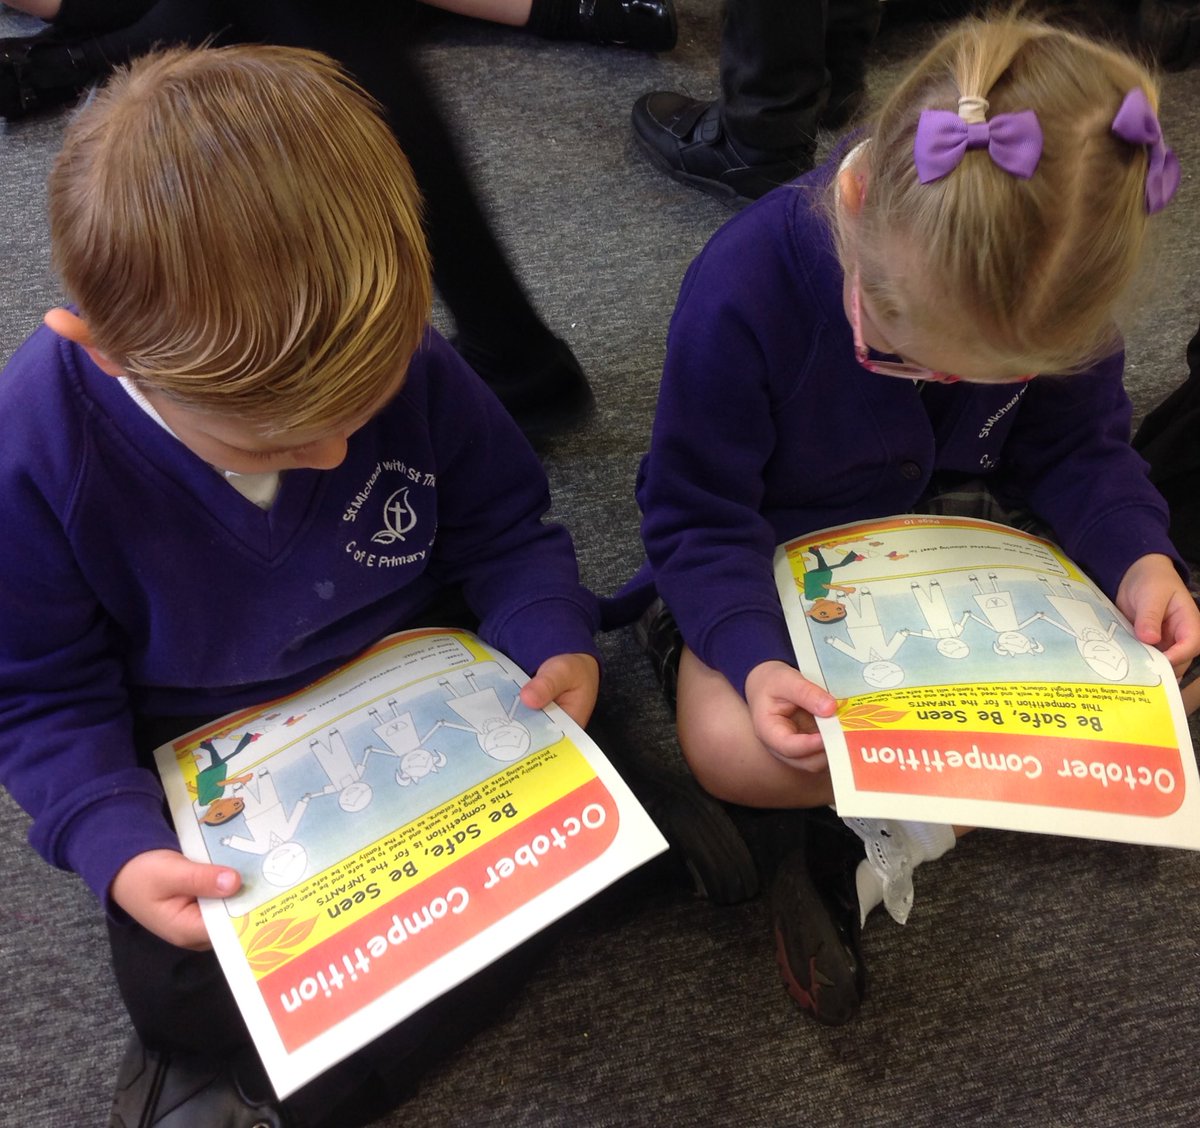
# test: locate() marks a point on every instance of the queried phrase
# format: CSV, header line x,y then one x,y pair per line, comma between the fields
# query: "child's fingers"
x,y
578,705
546,687
213,881
780,688
575,700
1180,654
173,875
788,741
570,680
1182,634
1172,623
159,890
537,692
813,699
184,881
187,929
1148,622
804,757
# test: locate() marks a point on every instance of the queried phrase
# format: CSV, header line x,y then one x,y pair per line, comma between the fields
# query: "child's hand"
x,y
571,681
1162,611
159,890
782,705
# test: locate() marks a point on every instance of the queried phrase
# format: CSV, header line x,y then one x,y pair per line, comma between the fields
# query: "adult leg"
x,y
1170,31
851,28
762,131
787,67
48,69
647,25
773,74
500,334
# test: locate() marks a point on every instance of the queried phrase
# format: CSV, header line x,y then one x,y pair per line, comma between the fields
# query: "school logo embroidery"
x,y
995,418
410,504
398,518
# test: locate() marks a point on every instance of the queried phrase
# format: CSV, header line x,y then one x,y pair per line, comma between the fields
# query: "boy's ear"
x,y
75,329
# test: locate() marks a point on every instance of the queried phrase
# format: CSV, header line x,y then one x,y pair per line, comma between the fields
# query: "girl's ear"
x,y
852,190
75,329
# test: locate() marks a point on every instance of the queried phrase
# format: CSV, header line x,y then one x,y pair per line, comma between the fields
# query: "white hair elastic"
x,y
972,108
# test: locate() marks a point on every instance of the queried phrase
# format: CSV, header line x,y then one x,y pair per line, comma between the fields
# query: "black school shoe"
x,y
702,836
684,137
166,1090
815,915
696,825
39,72
645,25
658,635
707,850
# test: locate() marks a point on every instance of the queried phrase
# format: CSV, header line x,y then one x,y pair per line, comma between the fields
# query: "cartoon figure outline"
x,y
496,730
819,580
271,829
940,623
1000,617
869,644
345,776
399,735
1095,644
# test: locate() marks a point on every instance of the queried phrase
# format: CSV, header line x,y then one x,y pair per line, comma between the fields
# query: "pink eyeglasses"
x,y
886,367
862,353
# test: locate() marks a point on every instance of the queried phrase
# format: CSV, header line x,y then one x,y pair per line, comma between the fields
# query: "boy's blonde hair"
x,y
242,233
1031,271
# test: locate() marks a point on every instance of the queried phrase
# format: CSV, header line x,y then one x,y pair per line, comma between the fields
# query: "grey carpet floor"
x,y
1041,981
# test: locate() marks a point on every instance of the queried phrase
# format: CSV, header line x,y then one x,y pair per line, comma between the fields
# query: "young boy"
x,y
242,457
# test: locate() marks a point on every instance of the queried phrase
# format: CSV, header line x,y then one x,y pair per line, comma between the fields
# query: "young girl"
x,y
934,307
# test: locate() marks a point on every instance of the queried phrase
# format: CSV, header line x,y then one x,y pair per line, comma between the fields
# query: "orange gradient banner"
x,y
1078,773
345,972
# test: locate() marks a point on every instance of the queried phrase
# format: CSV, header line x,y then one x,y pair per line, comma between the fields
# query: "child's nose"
x,y
324,454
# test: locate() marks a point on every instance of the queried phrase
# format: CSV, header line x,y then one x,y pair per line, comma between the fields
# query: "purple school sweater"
x,y
767,428
135,580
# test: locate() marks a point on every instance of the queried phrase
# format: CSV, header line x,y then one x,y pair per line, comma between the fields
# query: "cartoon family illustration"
x,y
247,811
876,625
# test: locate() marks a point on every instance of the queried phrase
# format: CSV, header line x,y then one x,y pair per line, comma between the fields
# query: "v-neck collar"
x,y
157,454
270,480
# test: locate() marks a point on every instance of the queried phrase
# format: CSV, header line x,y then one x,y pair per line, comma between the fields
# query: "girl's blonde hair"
x,y
1031,271
242,233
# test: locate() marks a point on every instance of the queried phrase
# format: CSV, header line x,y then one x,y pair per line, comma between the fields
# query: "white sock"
x,y
870,890
885,875
934,839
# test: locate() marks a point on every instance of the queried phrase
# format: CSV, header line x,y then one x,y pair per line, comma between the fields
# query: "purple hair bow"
x,y
1013,141
1136,123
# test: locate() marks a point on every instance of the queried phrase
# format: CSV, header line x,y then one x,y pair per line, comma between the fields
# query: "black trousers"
x,y
782,61
179,1002
373,40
